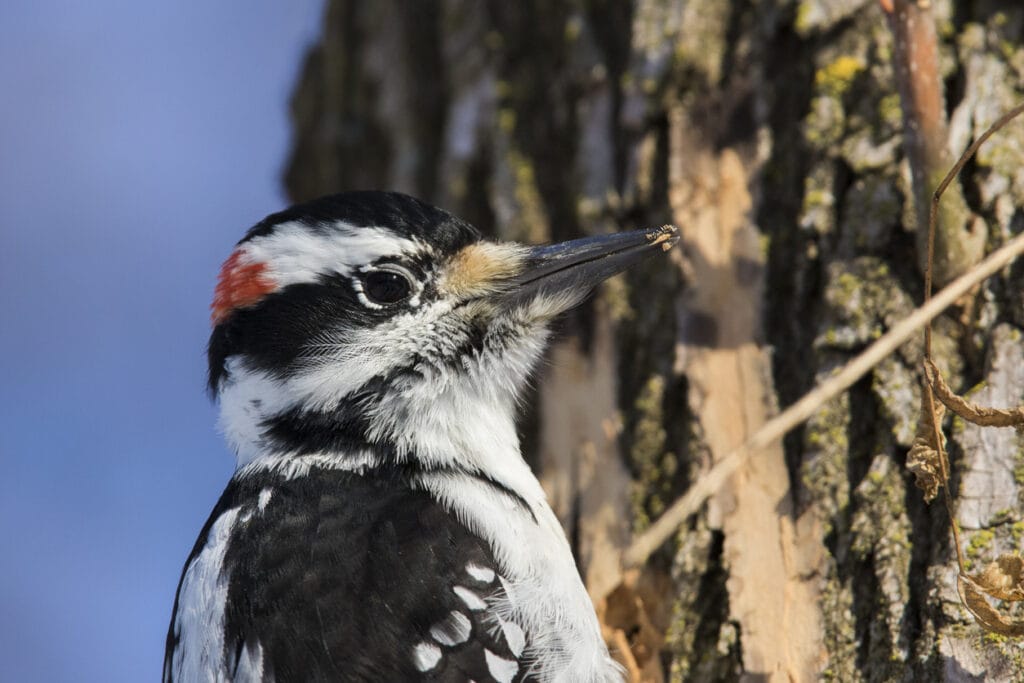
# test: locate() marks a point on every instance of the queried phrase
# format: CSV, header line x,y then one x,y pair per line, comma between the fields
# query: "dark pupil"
x,y
384,287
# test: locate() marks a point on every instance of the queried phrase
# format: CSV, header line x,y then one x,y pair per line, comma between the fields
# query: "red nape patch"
x,y
238,285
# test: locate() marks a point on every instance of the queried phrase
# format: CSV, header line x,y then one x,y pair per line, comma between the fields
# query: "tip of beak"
x,y
667,236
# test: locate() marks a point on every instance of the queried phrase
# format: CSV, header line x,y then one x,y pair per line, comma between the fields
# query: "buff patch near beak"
x,y
481,268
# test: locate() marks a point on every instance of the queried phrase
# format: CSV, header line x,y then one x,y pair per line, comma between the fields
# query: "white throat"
x,y
461,421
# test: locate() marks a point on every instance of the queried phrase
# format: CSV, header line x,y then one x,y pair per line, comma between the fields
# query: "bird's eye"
x,y
386,286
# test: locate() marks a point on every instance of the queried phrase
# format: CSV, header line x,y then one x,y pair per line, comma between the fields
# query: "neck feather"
x,y
449,420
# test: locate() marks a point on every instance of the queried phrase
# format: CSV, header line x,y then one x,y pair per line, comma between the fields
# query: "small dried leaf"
x,y
1004,578
979,415
924,459
985,614
628,624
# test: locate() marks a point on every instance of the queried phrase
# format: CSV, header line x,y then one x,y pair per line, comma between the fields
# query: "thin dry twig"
x,y
958,237
773,430
934,420
1003,578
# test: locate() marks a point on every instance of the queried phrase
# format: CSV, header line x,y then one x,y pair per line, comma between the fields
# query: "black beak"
x,y
580,265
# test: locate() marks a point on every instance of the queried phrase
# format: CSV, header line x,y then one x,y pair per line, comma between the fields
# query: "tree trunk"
x,y
771,133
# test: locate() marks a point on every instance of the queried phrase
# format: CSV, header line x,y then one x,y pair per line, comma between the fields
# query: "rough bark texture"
x,y
771,132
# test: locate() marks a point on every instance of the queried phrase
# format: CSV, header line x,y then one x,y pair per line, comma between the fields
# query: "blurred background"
x,y
138,141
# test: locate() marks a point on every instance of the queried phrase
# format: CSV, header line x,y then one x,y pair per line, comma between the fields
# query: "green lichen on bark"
x,y
983,656
977,542
863,298
898,389
994,66
655,467
823,471
881,532
822,15
848,123
702,643
836,78
702,44
529,221
840,638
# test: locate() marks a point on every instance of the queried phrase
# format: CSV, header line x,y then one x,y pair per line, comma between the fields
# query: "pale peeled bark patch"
x,y
588,486
580,467
773,558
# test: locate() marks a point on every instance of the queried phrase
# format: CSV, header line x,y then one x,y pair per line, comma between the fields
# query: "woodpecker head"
x,y
374,325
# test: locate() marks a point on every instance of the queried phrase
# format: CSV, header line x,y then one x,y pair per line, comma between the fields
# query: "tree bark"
x,y
771,132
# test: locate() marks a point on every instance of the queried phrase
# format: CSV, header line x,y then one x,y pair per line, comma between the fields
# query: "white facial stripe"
x,y
462,412
246,399
294,253
449,413
342,366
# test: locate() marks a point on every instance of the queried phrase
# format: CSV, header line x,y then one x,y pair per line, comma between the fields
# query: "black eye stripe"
x,y
386,286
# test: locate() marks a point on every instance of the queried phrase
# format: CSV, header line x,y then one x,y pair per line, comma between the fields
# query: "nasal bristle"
x,y
239,284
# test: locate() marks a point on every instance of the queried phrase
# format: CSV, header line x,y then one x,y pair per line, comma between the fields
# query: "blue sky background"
x,y
138,141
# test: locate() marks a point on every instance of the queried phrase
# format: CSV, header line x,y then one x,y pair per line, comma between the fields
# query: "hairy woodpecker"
x,y
368,351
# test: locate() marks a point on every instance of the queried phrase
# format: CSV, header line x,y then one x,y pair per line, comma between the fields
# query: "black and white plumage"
x,y
368,351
